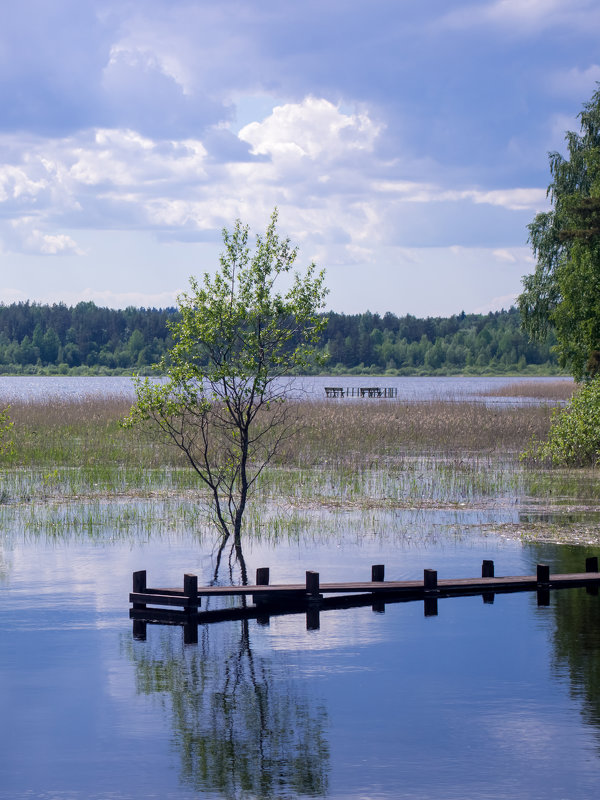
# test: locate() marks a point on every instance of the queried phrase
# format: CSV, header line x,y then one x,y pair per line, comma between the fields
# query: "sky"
x,y
404,143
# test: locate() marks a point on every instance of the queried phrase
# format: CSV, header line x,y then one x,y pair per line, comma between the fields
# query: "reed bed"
x,y
540,390
86,433
364,433
74,467
374,454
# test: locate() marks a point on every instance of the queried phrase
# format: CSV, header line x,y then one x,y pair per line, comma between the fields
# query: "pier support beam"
x,y
190,589
591,564
487,569
312,585
543,573
430,583
262,579
139,585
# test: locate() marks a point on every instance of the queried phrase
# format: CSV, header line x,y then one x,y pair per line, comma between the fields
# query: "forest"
x,y
88,340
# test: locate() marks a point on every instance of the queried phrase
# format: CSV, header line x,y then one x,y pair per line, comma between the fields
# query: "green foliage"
x,y
87,340
236,339
6,426
464,343
563,294
574,437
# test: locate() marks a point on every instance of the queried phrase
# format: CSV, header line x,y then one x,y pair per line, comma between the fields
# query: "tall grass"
x,y
368,453
86,434
371,432
74,467
540,390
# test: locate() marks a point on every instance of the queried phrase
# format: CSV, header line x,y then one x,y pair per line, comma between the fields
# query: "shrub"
x,y
574,437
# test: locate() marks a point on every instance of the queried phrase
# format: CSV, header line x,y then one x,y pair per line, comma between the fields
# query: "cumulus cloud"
x,y
22,236
314,128
321,165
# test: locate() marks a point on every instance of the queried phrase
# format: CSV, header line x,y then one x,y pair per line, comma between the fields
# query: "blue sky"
x,y
405,143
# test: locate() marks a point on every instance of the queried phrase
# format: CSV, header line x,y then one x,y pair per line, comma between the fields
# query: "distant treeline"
x,y
85,339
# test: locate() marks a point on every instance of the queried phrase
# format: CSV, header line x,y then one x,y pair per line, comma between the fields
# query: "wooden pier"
x,y
361,391
311,597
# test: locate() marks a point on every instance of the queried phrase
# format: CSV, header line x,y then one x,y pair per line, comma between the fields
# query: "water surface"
x,y
35,388
483,700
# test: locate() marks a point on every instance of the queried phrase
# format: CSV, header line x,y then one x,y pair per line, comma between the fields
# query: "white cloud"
x,y
23,236
513,199
124,158
504,301
337,195
148,59
314,128
576,82
16,184
524,16
504,255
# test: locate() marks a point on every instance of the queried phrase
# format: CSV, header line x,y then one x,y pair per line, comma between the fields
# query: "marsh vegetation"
x,y
74,468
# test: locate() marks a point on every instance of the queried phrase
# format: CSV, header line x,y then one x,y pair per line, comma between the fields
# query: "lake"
x,y
484,700
35,388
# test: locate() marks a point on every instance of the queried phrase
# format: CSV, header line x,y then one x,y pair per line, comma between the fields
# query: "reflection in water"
x,y
238,729
576,636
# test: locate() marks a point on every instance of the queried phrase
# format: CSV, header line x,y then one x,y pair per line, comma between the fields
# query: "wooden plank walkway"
x,y
313,596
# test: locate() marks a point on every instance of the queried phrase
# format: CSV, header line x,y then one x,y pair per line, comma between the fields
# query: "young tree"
x,y
223,403
564,291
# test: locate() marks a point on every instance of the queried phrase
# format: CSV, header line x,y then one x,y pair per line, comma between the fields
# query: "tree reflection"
x,y
576,635
241,724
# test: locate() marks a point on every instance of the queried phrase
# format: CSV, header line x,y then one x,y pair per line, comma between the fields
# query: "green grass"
x,y
74,468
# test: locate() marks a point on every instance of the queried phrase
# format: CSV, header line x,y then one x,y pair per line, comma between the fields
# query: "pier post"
x,y
430,580
262,576
543,573
190,589
312,585
139,585
262,579
591,564
487,569
378,573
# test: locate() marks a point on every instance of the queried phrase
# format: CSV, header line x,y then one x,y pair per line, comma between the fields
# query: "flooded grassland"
x,y
364,466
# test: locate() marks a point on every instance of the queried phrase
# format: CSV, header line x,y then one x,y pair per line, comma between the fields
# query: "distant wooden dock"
x,y
361,391
312,596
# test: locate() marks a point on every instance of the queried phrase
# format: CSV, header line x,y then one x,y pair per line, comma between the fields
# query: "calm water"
x,y
482,701
36,388
494,700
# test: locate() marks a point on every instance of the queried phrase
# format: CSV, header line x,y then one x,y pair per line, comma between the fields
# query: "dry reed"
x,y
541,390
368,431
87,431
